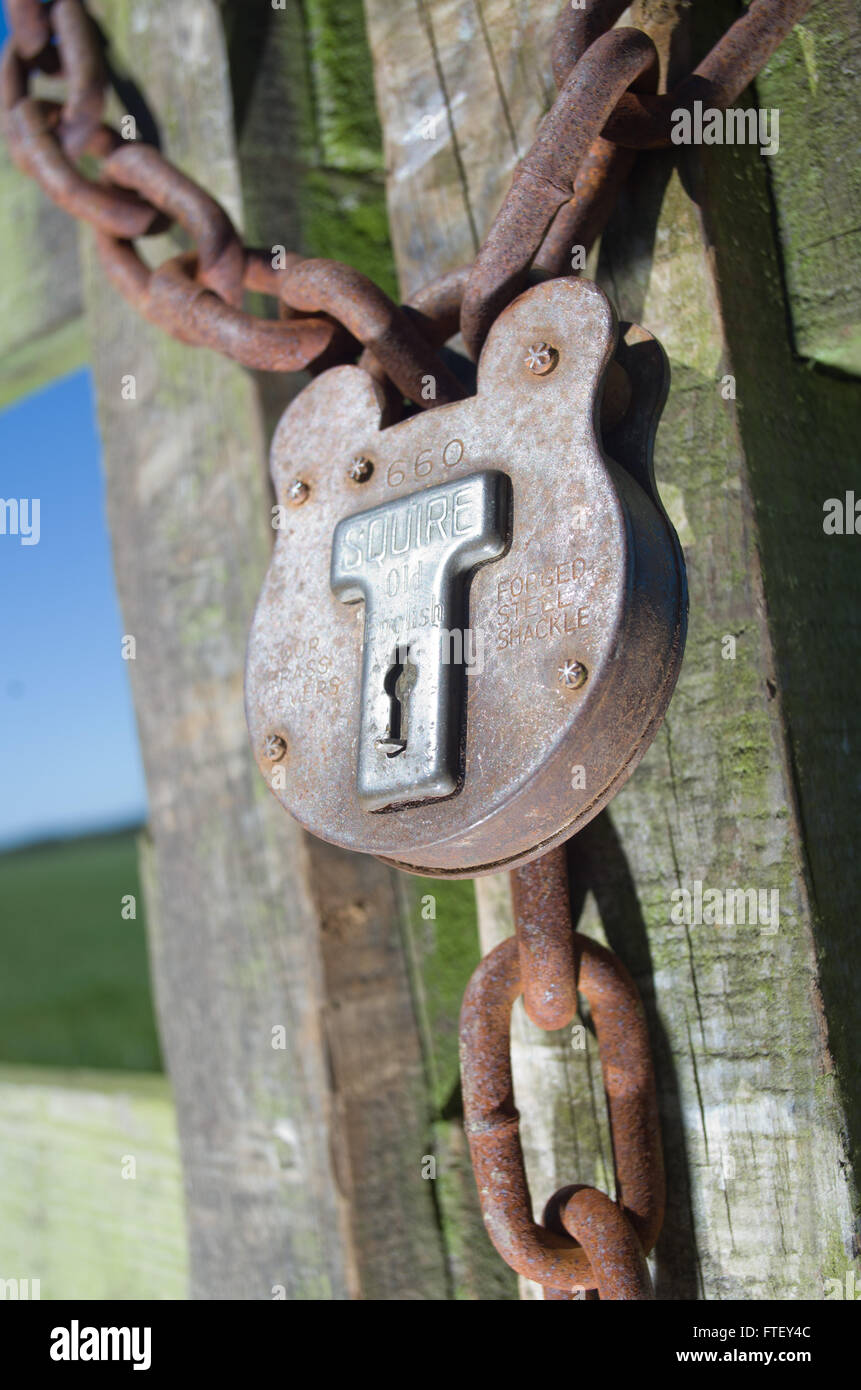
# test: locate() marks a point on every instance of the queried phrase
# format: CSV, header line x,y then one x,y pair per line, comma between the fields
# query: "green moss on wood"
x,y
344,217
477,1273
312,181
816,180
444,951
41,360
347,125
800,430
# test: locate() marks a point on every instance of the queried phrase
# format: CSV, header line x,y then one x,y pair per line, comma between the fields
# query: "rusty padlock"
x,y
473,620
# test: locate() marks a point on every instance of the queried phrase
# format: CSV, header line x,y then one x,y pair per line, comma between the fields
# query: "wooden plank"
x,y
234,930
41,329
393,977
442,943
438,65
91,1201
307,132
382,1122
799,430
303,1164
754,1118
816,180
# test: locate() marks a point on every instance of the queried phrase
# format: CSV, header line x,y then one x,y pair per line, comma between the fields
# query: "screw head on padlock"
x,y
472,625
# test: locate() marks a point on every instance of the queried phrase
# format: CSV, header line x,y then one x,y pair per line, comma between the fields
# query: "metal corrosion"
x,y
542,915
561,195
610,1241
539,1252
546,369
197,297
606,107
544,178
642,120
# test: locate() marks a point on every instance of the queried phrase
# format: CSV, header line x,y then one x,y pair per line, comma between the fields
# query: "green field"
x,y
74,984
91,1199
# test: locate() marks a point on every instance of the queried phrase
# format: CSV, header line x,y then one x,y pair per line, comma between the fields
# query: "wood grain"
x,y
90,1185
816,177
303,1162
234,937
41,326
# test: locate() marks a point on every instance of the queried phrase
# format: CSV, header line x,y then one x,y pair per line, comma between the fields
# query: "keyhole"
x,y
397,683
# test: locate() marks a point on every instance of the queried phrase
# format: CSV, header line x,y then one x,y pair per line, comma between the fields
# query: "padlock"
x,y
473,619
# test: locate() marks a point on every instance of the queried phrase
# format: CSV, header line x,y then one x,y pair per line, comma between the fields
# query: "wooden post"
x,y
41,328
233,926
757,1084
284,970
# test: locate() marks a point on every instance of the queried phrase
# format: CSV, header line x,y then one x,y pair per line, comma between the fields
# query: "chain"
x,y
586,1243
196,297
562,194
606,89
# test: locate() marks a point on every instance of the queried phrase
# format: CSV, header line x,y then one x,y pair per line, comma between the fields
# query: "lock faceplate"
x,y
409,560
580,622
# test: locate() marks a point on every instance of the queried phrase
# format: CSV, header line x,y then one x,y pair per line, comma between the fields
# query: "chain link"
x,y
643,120
196,297
607,99
585,1243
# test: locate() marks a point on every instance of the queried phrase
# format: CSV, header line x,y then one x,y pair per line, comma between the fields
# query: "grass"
x,y
74,987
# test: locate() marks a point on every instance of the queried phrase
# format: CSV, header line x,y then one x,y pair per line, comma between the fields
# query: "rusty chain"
x,y
586,1242
607,106
562,194
195,297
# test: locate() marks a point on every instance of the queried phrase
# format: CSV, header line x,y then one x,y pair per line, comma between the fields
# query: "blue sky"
x,y
69,755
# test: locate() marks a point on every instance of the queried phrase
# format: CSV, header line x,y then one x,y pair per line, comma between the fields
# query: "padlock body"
x,y
574,620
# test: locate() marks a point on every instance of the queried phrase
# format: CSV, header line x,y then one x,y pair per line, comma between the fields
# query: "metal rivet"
x,y
573,674
360,469
298,492
541,358
274,747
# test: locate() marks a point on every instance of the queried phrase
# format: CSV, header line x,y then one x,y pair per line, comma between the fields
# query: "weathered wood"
x,y
90,1185
799,430
755,1107
442,946
382,1122
304,1162
441,70
41,329
393,978
812,81
234,937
